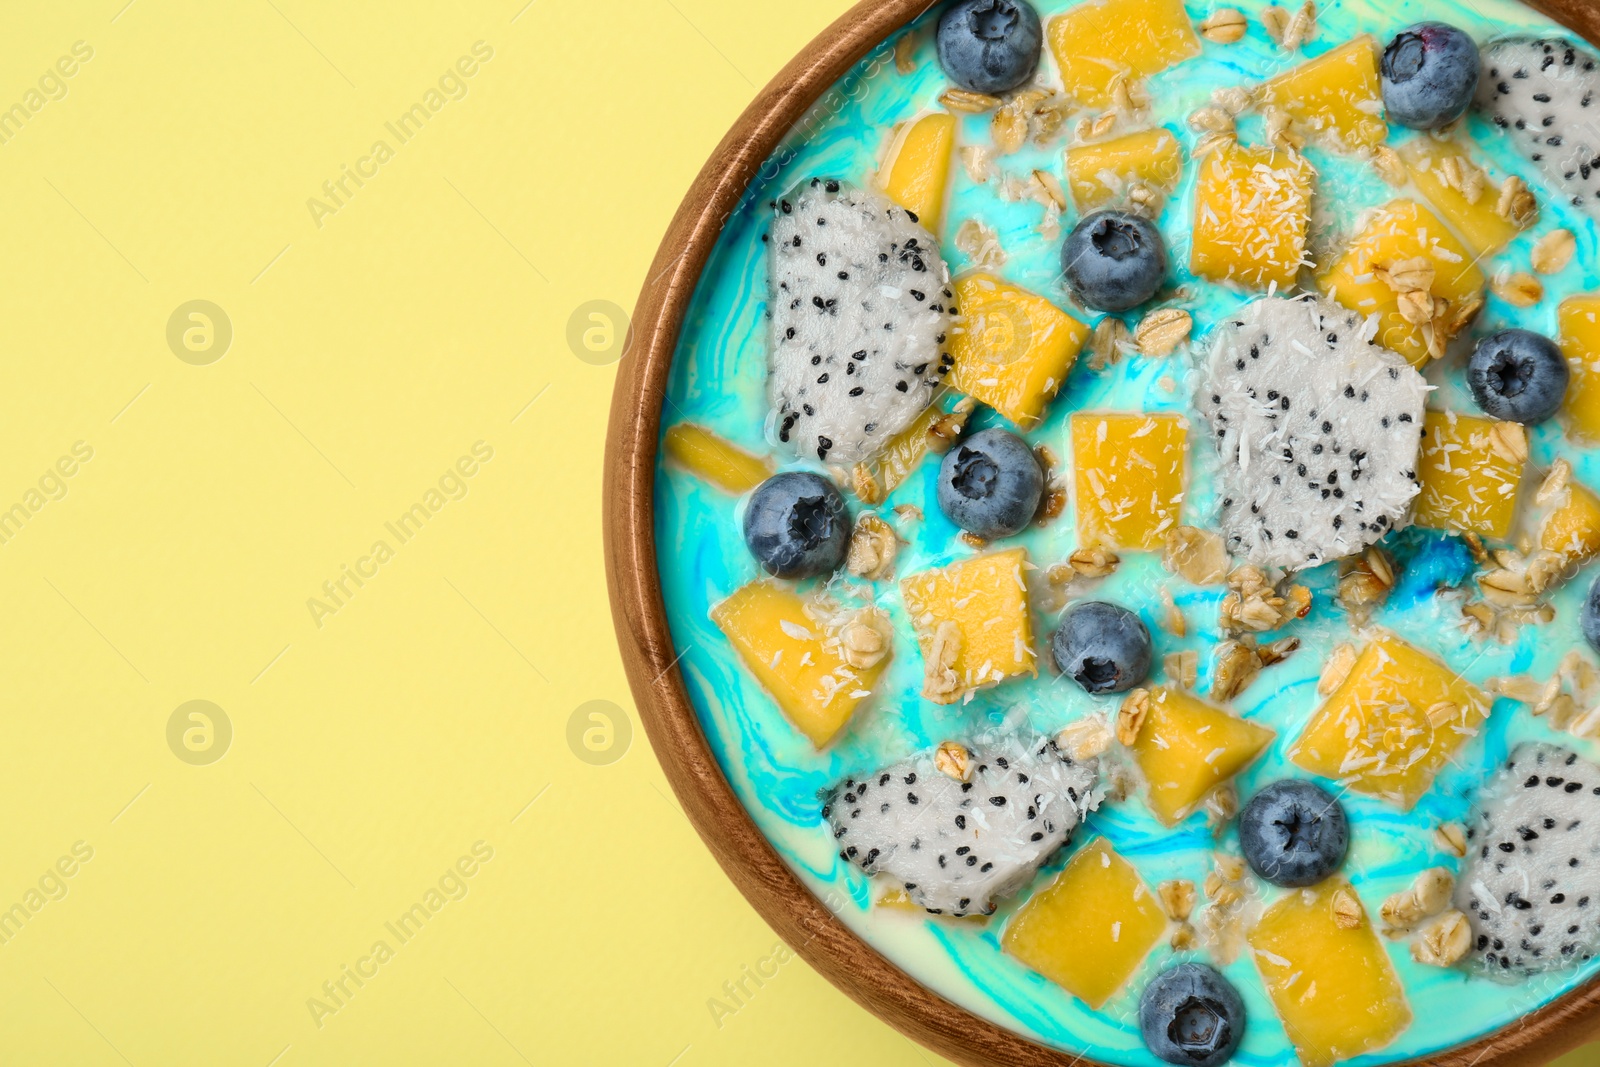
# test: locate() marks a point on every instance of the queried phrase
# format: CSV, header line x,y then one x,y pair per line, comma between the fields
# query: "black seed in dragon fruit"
x,y
957,847
1530,885
1318,430
1545,94
862,321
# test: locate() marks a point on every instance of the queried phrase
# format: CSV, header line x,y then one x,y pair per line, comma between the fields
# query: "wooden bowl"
x,y
651,661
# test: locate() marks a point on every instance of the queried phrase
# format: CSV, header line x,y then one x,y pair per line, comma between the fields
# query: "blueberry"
x,y
1590,619
796,525
1191,1015
1103,647
1293,833
1114,261
1518,375
989,46
990,484
1430,72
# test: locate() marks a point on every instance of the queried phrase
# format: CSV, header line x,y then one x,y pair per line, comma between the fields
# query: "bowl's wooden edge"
x,y
643,635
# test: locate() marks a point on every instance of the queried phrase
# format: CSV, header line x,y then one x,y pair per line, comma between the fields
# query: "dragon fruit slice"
x,y
958,846
1545,92
1318,429
861,320
1531,883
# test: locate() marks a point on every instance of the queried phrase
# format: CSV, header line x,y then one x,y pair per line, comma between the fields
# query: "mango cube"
x,y
1396,719
986,598
1097,43
1128,477
1335,99
788,646
718,461
1088,930
1251,210
1401,230
1332,985
1016,349
1186,748
932,431
917,167
1101,173
1439,169
1572,528
1467,483
1579,321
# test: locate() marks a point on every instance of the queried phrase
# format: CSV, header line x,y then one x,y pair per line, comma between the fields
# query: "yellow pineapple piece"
x,y
718,461
1335,99
1186,748
1016,349
1401,230
1572,528
1101,173
1099,42
986,598
1332,983
1579,318
1395,720
1251,210
1439,168
1088,930
1128,476
1467,484
917,167
796,657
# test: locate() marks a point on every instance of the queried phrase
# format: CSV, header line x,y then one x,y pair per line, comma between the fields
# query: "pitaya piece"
x,y
954,846
1318,429
861,321
1545,93
1530,885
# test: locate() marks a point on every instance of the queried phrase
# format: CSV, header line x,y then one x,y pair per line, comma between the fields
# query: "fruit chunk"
x,y
917,167
961,828
1186,748
1088,930
1332,983
1542,109
718,461
932,431
1103,172
1251,209
1128,476
1572,528
1467,483
1335,99
1016,350
1095,44
1316,430
986,599
1533,818
841,385
1579,318
797,656
1402,230
1395,720
1440,169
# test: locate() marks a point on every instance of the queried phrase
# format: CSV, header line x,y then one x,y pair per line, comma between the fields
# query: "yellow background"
x,y
374,745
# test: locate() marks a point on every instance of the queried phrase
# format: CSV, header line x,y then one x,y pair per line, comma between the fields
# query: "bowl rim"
x,y
805,923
